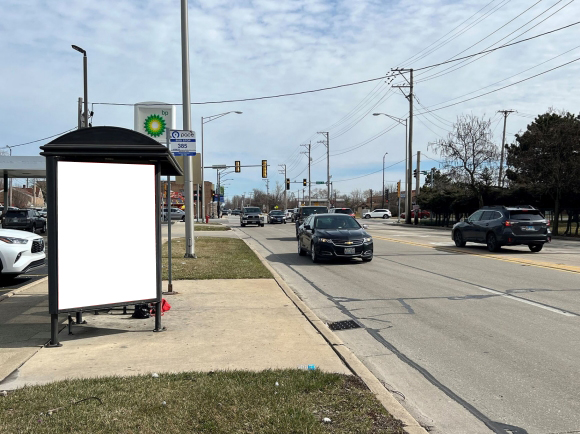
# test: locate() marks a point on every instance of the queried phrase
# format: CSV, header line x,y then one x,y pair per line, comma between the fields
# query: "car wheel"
x,y
183,218
243,225
535,247
284,221
367,216
492,244
313,254
458,238
43,230
33,229
262,225
301,251
385,216
367,259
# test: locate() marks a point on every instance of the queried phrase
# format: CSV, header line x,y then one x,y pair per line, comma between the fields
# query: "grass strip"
x,y
215,402
211,227
217,258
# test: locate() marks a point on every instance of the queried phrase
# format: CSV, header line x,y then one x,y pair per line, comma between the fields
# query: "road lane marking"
x,y
527,262
531,303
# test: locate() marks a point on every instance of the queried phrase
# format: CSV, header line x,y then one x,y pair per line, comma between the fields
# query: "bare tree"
x,y
469,154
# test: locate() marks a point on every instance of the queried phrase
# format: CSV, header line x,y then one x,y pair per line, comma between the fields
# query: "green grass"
x,y
210,227
219,402
217,258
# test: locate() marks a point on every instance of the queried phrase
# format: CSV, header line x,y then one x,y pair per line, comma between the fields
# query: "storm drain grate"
x,y
343,325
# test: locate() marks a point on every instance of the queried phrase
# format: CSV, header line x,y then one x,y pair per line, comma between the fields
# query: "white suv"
x,y
20,251
378,213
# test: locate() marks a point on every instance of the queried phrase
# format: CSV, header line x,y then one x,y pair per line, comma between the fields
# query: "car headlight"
x,y
325,240
368,239
12,240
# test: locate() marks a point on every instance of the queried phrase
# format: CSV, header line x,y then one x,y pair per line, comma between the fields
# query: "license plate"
x,y
349,250
528,228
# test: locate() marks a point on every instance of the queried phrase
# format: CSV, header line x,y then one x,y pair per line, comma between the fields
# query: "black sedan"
x,y
329,236
276,216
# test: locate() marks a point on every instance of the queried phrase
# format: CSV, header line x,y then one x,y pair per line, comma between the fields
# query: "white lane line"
x,y
531,303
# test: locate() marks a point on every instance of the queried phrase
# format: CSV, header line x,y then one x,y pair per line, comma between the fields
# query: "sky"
x,y
251,49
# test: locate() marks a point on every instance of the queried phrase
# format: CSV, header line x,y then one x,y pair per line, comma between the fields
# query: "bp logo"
x,y
155,125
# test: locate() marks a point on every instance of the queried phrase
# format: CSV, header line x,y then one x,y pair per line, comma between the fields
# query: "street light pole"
x,y
205,120
383,205
86,92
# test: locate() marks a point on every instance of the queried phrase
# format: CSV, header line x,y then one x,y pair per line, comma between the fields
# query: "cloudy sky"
x,y
248,49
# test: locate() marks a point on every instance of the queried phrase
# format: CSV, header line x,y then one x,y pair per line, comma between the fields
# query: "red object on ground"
x,y
165,306
207,219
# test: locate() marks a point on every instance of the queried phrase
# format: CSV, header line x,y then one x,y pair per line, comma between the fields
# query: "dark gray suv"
x,y
25,219
499,226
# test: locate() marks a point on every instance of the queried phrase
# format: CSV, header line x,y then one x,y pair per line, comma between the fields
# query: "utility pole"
x,y
505,115
433,178
327,144
285,191
309,145
371,199
187,161
418,182
410,141
267,194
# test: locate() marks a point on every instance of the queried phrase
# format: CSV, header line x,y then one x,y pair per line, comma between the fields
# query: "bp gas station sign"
x,y
154,119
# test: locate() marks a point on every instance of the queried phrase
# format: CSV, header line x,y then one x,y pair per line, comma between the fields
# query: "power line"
x,y
498,48
372,173
504,87
39,140
257,98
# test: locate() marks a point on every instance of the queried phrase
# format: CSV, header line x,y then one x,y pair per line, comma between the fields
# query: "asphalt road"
x,y
468,341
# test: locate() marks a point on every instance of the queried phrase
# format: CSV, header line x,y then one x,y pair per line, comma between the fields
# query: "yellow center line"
x,y
548,265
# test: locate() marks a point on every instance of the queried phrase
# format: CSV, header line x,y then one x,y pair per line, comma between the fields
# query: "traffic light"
x,y
386,195
287,183
238,167
398,188
264,168
414,173
304,182
213,195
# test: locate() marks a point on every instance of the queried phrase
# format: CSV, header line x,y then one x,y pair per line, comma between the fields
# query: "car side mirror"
x,y
462,219
307,227
365,226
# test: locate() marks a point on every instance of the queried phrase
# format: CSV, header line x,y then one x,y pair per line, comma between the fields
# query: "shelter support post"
x,y
54,331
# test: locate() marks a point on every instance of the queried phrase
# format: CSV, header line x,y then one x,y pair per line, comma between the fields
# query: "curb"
x,y
393,406
16,291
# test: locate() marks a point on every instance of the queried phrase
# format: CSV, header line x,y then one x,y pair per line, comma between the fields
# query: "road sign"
x,y
182,142
219,166
320,182
415,207
403,195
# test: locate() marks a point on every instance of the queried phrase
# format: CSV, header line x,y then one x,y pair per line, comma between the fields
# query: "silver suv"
x,y
251,215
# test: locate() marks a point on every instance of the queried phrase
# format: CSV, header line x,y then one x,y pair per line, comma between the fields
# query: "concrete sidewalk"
x,y
212,325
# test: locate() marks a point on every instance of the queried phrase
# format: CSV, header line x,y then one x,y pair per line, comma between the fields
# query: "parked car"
x,y
347,211
288,214
20,252
276,216
499,226
251,215
422,214
176,214
329,236
305,211
43,212
236,212
24,219
378,213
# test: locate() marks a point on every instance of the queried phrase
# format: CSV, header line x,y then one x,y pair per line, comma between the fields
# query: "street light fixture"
x,y
408,161
205,120
86,95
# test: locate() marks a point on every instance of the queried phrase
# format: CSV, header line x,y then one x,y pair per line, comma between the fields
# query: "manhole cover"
x,y
343,325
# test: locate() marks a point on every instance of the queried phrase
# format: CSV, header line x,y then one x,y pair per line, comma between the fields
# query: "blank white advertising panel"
x,y
106,233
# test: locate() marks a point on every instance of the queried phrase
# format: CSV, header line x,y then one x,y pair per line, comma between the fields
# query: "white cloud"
x,y
242,49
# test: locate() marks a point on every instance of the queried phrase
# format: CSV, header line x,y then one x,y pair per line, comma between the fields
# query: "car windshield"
x,y
308,210
276,212
531,215
343,211
336,222
19,214
252,210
